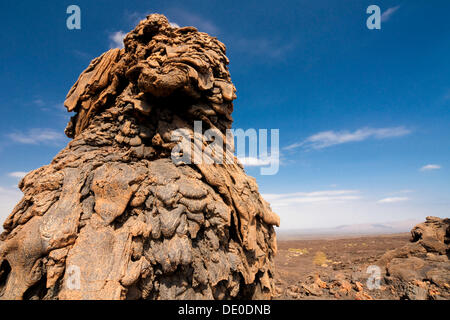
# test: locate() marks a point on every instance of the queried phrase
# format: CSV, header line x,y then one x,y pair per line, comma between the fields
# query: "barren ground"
x,y
332,267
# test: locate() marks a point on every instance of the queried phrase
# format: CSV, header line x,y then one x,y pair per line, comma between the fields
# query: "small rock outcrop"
x,y
421,269
112,216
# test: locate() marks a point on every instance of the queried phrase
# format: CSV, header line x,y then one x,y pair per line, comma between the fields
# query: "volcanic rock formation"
x,y
112,216
421,269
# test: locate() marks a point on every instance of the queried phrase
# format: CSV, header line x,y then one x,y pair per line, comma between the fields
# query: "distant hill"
x,y
349,230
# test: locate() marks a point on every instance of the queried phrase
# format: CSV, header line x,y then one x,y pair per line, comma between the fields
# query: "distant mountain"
x,y
355,229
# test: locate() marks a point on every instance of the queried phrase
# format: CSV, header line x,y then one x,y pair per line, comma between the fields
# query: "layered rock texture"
x,y
421,269
112,216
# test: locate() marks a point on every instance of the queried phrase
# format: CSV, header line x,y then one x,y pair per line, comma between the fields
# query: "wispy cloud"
x,y
134,17
39,102
116,39
36,136
262,47
288,199
18,174
83,54
48,104
326,139
430,167
187,18
386,15
393,200
446,95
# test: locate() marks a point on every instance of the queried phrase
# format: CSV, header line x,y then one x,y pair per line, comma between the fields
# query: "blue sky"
x,y
363,114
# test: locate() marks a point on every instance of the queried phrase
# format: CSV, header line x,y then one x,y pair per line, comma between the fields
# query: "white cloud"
x,y
36,136
326,139
254,162
386,15
262,160
174,25
430,167
18,174
393,200
288,199
116,39
9,197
